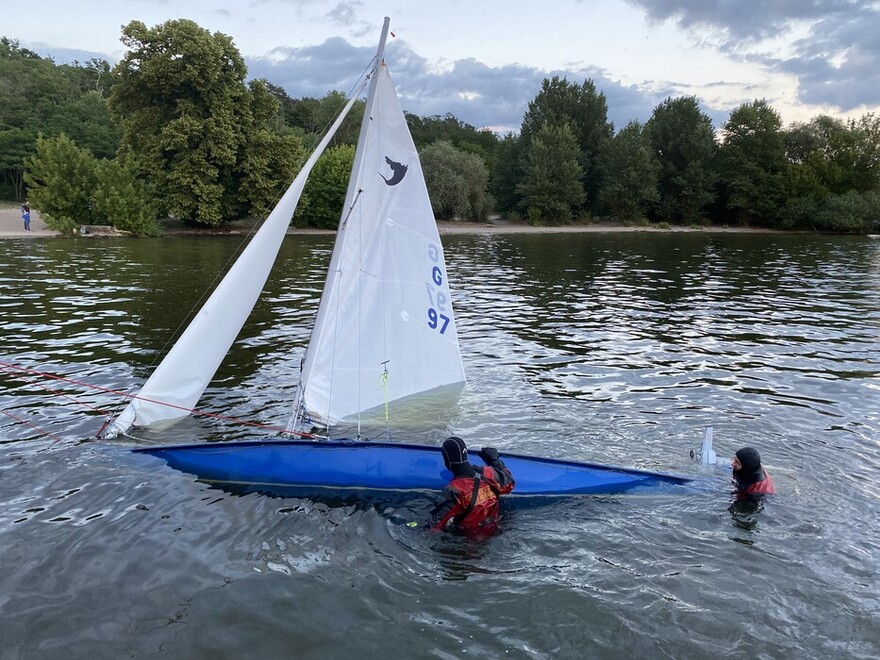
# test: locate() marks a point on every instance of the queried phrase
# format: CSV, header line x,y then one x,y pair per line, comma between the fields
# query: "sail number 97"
x,y
437,300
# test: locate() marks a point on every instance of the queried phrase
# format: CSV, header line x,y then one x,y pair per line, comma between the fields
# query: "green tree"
x,y
752,164
121,199
632,174
851,212
324,193
552,186
504,176
310,118
683,143
585,110
866,175
456,181
269,160
183,106
38,96
60,177
70,187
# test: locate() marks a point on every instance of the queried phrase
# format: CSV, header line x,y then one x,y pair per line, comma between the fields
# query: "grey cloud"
x,y
67,55
837,64
473,92
480,95
749,19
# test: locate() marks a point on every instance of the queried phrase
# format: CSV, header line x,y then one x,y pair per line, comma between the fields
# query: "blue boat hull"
x,y
286,467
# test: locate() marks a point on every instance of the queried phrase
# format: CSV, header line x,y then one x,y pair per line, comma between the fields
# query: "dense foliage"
x,y
458,181
324,194
175,130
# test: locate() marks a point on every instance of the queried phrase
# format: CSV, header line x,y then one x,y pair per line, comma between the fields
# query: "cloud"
x,y
494,97
836,64
475,93
67,55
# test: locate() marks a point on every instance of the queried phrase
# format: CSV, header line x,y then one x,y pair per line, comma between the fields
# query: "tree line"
x,y
175,130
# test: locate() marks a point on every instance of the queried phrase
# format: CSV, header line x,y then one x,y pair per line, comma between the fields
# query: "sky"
x,y
484,60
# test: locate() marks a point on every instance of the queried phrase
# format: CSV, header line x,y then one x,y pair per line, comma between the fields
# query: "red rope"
x,y
55,438
193,411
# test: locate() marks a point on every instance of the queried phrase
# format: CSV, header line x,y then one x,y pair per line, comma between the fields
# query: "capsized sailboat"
x,y
385,334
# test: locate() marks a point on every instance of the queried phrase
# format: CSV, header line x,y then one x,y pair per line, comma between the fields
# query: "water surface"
x,y
617,348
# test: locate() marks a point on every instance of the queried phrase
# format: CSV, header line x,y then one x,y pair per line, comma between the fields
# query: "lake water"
x,y
618,348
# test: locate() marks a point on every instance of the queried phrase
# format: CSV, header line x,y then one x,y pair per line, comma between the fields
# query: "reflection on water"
x,y
614,348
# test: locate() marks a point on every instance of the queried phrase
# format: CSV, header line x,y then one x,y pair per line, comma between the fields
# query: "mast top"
x,y
380,53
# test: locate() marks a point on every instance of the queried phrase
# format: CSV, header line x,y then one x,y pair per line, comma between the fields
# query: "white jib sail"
x,y
178,382
385,328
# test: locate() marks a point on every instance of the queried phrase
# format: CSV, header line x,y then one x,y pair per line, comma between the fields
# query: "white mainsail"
x,y
385,329
179,381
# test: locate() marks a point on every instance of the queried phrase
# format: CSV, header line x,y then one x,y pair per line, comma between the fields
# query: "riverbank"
x,y
11,227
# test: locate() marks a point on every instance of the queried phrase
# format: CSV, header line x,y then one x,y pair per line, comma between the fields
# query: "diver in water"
x,y
470,501
750,478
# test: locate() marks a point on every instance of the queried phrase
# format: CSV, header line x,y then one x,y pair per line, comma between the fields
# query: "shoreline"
x,y
11,227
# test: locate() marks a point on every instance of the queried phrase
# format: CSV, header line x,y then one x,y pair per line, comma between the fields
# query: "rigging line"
x,y
59,393
194,411
54,437
356,88
338,274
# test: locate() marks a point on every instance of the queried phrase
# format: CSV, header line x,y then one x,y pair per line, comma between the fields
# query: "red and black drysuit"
x,y
763,487
470,501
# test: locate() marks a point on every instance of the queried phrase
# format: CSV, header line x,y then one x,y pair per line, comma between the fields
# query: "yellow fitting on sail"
x,y
383,381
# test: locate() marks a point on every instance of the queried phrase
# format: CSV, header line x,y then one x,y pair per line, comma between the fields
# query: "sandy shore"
x,y
11,227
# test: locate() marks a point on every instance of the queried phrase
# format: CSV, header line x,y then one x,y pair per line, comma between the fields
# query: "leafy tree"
x,y
181,100
683,143
269,160
456,182
121,199
866,131
843,156
504,177
552,186
586,112
324,194
310,118
632,174
463,136
38,96
850,212
86,120
61,177
752,163
70,187
16,144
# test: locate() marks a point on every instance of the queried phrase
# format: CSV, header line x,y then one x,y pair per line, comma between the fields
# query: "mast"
x,y
380,52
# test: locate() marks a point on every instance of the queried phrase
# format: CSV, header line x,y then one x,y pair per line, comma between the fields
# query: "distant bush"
x,y
70,187
850,212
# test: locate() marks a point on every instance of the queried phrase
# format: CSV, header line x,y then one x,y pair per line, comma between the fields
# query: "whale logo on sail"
x,y
398,171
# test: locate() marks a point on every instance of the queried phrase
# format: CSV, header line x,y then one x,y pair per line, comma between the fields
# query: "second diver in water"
x,y
750,478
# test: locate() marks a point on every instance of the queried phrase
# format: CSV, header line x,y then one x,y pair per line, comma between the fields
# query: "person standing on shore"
x,y
26,215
